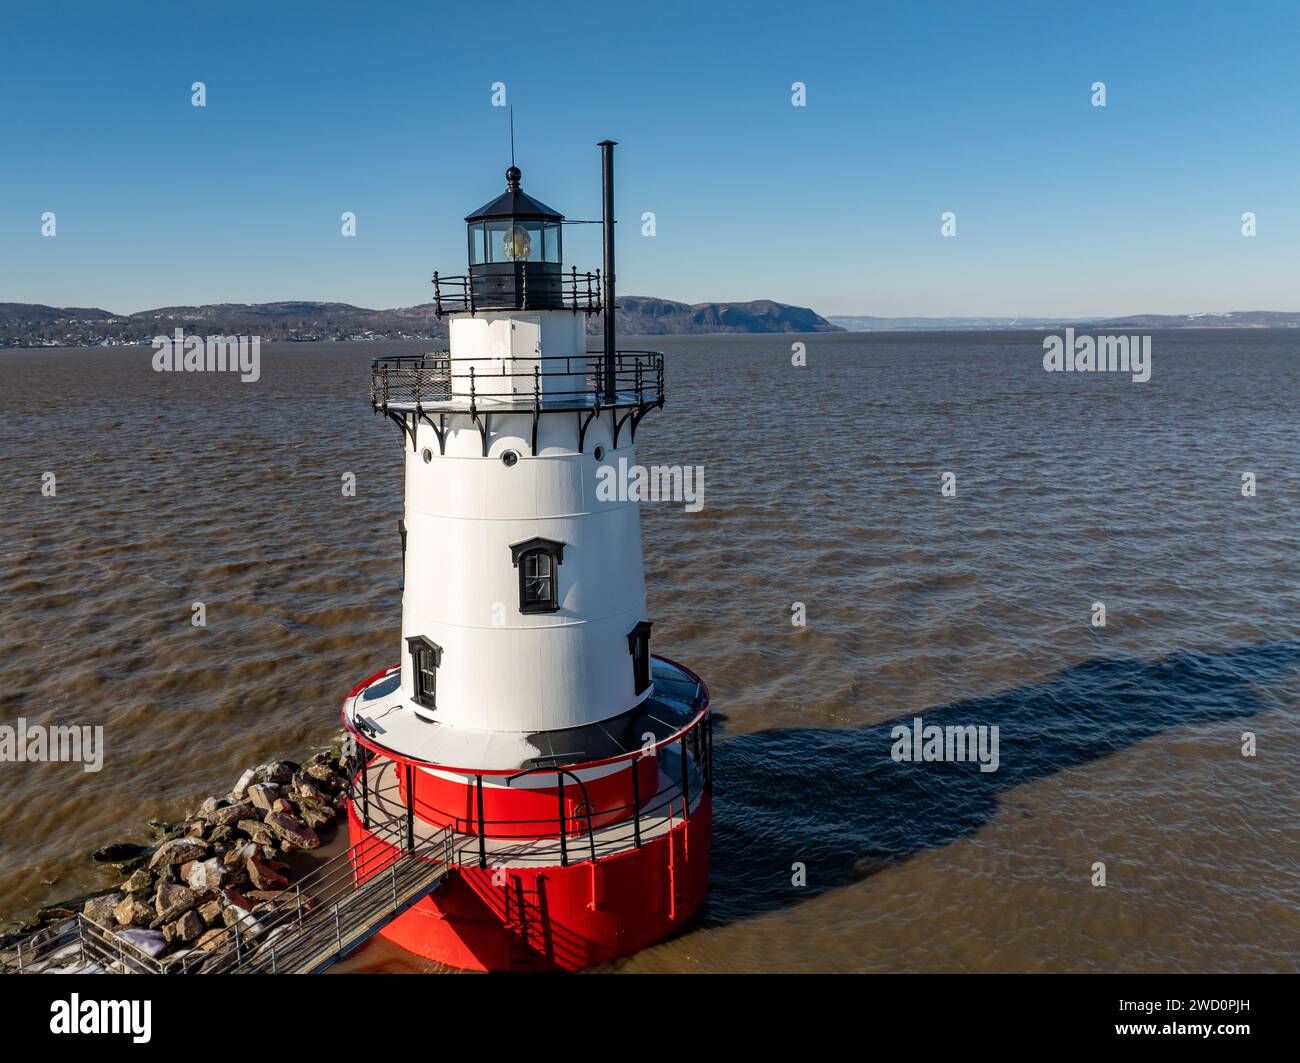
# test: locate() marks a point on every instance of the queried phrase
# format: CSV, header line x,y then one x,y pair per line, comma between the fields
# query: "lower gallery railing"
x,y
688,772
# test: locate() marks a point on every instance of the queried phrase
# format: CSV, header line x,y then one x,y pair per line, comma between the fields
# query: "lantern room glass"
x,y
515,240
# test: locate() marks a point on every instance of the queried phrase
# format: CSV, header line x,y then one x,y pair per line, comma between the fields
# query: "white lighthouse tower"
x,y
527,719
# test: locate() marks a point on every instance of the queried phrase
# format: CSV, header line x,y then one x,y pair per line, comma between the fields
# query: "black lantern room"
x,y
515,252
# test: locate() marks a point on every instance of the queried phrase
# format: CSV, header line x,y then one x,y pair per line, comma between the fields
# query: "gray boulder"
x,y
257,830
187,928
140,881
264,876
263,794
206,875
228,815
101,909
173,901
241,787
292,830
133,911
178,851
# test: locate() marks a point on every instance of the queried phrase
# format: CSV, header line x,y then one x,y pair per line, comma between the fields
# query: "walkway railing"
x,y
370,885
549,382
57,945
304,929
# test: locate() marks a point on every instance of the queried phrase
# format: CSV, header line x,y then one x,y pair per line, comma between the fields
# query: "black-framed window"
x,y
537,579
538,561
426,656
638,644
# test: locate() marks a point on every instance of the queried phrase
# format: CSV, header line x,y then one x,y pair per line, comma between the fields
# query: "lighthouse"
x,y
529,735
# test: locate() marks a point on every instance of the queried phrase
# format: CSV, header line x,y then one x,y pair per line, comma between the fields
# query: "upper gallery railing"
x,y
548,382
517,286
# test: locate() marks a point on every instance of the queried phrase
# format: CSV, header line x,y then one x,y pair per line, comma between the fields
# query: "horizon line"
x,y
826,315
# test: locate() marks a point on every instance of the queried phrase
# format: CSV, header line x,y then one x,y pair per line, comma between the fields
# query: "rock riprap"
x,y
219,867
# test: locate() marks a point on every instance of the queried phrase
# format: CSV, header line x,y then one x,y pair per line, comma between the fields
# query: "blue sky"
x,y
913,109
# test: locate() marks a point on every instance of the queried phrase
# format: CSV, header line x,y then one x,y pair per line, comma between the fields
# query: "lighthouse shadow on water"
x,y
834,800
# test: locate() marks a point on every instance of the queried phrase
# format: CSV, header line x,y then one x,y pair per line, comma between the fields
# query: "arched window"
x,y
538,561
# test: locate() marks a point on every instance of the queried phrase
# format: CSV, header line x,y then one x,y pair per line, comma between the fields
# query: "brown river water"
x,y
1120,745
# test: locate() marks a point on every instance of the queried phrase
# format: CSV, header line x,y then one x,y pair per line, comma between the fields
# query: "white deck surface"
x,y
390,723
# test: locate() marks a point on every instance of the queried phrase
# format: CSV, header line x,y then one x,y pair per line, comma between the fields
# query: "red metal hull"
x,y
560,918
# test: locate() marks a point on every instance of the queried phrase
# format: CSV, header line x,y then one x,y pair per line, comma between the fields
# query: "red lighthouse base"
x,y
550,866
560,918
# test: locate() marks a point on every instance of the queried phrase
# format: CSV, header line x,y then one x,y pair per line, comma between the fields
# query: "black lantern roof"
x,y
513,203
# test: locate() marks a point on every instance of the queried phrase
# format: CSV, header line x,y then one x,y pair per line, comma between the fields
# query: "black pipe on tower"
x,y
607,161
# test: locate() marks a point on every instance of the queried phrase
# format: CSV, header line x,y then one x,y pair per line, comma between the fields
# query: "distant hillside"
x,y
31,324
36,314
640,315
1235,319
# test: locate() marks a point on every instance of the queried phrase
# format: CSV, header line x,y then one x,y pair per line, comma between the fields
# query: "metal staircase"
x,y
377,890
304,929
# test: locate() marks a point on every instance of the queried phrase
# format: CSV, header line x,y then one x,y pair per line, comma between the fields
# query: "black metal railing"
x,y
684,760
573,291
553,838
410,378
565,382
